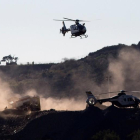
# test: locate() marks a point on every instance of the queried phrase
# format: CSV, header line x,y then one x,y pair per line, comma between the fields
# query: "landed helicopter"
x,y
120,100
76,30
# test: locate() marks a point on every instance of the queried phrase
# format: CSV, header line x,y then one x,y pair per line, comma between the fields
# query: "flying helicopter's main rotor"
x,y
76,21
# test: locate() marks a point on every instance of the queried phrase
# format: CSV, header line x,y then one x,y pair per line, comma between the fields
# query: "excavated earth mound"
x,y
69,125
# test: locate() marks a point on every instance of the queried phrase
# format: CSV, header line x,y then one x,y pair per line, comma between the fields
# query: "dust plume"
x,y
62,104
31,93
58,104
125,75
5,94
125,70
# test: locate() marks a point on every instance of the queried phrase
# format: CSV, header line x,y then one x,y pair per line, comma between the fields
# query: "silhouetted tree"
x,y
10,60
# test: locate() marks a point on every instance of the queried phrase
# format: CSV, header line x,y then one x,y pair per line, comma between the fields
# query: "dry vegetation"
x,y
67,78
64,85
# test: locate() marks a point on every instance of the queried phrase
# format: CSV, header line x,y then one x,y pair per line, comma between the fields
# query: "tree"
x,y
10,60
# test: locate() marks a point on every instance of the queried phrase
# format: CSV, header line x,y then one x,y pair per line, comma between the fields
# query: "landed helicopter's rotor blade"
x,y
114,92
134,91
120,91
107,93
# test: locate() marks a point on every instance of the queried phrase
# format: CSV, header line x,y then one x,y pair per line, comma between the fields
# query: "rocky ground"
x,y
69,125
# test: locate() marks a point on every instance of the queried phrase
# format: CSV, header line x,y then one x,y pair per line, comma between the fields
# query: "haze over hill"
x,y
67,82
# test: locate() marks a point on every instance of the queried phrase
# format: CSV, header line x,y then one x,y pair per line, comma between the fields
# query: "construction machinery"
x,y
23,104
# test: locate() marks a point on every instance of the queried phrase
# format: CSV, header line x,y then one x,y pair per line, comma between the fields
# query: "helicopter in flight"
x,y
120,100
76,30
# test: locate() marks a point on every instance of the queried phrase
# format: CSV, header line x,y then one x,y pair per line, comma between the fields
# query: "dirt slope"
x,y
70,125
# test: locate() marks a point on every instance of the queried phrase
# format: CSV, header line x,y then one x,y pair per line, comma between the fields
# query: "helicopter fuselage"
x,y
120,100
77,30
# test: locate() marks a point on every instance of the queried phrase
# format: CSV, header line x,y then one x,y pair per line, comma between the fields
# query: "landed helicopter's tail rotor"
x,y
91,100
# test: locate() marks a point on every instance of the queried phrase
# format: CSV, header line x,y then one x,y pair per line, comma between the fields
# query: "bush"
x,y
105,135
135,135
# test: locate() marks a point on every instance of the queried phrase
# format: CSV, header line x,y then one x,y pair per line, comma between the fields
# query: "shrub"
x,y
105,135
135,135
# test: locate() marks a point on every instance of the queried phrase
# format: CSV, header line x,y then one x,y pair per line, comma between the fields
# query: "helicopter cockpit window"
x,y
133,99
129,99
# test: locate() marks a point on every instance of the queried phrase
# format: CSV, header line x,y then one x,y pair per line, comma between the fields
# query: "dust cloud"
x,y
125,75
62,104
125,70
58,104
6,94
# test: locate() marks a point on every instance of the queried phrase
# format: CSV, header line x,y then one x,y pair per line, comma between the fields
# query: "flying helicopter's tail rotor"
x,y
60,31
63,30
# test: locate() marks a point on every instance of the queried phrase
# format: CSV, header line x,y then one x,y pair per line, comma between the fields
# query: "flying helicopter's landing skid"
x,y
73,37
84,36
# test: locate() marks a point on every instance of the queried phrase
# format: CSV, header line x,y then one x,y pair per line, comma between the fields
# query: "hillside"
x,y
69,77
72,125
62,89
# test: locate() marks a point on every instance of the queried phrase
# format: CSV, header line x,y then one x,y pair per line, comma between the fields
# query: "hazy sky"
x,y
27,29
